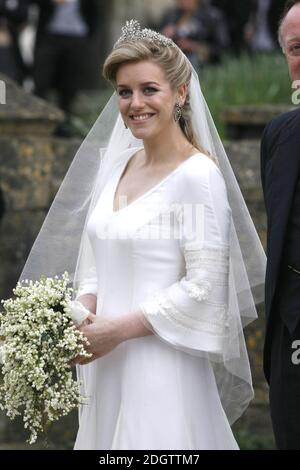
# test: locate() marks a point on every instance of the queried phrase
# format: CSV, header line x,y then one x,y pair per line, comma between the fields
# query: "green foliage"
x,y
251,441
260,79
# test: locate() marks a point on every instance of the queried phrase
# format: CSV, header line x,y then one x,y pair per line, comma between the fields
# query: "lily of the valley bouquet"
x,y
40,338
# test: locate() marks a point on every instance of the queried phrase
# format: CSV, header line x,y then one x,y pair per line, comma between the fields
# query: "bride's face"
x,y
146,99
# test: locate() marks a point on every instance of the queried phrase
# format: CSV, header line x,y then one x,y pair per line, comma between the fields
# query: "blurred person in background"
x,y
13,17
237,14
261,29
64,30
199,29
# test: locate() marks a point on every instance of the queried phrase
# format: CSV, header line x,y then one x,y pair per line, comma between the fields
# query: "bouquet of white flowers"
x,y
39,340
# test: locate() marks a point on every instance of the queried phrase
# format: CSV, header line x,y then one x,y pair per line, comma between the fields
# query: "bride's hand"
x,y
103,335
80,309
89,301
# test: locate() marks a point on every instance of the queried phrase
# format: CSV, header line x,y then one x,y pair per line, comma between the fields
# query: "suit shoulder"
x,y
283,125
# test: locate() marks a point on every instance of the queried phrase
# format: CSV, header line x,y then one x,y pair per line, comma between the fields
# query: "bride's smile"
x,y
146,100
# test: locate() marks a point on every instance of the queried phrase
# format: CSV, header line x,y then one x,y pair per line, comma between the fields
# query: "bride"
x,y
163,252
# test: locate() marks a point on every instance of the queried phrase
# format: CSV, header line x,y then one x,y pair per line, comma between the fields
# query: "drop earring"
x,y
177,112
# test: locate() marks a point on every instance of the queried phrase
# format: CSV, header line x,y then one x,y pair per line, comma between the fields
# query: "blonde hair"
x,y
172,61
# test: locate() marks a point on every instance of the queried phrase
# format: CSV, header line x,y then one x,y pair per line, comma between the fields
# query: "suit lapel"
x,y
282,178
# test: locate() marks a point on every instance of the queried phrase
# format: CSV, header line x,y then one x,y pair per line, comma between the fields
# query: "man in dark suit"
x,y
280,169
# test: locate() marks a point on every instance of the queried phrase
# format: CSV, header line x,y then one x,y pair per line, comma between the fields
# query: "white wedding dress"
x,y
159,391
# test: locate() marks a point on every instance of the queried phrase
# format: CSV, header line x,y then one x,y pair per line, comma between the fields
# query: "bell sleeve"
x,y
192,313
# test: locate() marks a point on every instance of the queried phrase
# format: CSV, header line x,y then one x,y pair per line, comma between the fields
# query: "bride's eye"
x,y
149,90
124,93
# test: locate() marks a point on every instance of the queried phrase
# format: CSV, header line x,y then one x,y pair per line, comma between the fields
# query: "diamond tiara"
x,y
132,32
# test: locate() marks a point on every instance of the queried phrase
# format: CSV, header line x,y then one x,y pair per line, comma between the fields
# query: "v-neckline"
x,y
149,191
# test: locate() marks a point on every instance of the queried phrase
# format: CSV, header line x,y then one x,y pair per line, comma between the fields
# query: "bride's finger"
x,y
92,317
85,361
81,360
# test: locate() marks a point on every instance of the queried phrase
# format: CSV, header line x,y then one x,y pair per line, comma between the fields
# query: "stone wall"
x,y
30,171
245,160
27,156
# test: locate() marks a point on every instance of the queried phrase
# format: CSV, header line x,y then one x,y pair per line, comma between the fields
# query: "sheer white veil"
x,y
63,244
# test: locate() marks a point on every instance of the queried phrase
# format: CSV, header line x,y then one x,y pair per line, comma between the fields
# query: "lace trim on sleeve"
x,y
198,290
212,321
199,301
216,256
